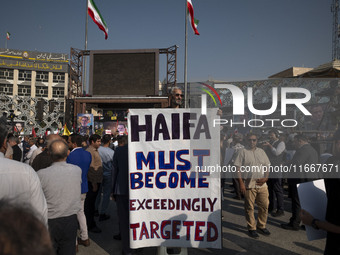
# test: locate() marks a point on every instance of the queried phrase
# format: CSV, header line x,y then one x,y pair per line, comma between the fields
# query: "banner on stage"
x,y
172,203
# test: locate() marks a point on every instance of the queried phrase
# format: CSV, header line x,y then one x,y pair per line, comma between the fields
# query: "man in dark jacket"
x,y
305,155
275,150
120,179
17,153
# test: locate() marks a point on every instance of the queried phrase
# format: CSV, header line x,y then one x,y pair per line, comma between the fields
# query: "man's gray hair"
x,y
173,90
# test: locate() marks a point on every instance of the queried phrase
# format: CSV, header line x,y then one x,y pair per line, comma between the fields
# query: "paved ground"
x,y
235,238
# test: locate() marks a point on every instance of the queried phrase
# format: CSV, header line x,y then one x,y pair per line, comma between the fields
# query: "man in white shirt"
x,y
19,182
33,147
254,164
41,145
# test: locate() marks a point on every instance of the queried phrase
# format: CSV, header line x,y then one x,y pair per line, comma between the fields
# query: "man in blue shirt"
x,y
81,158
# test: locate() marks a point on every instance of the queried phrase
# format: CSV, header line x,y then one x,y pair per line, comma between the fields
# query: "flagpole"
x,y
85,57
186,56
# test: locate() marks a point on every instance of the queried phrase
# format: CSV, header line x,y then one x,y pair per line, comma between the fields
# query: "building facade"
x,y
32,73
30,81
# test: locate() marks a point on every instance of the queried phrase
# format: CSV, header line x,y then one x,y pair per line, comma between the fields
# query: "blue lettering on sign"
x,y
150,160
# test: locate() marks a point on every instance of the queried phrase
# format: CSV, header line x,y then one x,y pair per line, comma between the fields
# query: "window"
x,y
6,74
58,92
6,89
24,90
25,75
59,77
42,76
41,91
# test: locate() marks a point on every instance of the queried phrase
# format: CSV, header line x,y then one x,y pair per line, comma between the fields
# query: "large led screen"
x,y
129,72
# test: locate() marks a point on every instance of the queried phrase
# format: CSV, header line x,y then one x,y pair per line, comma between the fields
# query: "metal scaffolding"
x,y
76,73
171,55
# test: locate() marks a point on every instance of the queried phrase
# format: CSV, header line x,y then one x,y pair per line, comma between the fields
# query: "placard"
x,y
174,186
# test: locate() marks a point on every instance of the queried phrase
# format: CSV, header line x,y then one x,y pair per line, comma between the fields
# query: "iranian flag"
x,y
8,35
97,17
193,21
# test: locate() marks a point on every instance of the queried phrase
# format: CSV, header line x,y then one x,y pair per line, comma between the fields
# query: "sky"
x,y
239,39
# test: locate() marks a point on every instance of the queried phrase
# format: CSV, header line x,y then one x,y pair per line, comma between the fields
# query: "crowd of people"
x,y
266,188
67,181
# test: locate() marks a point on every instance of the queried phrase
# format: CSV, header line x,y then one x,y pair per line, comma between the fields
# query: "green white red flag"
x,y
97,17
193,21
8,35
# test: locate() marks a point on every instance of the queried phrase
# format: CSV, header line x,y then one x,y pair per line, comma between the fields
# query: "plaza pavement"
x,y
235,235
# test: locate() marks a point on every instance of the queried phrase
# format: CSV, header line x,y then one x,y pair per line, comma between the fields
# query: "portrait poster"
x,y
19,127
110,127
85,124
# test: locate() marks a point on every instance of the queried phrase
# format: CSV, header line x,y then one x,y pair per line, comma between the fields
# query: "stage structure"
x,y
77,64
118,80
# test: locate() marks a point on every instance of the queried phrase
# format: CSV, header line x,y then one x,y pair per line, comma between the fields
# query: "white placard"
x,y
171,203
313,199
